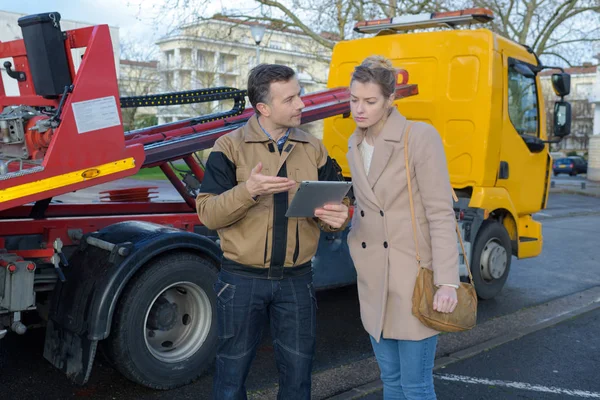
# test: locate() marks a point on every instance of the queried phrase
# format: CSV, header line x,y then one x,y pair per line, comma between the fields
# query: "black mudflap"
x,y
69,352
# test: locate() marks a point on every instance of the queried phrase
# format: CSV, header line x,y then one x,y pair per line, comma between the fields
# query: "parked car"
x,y
570,165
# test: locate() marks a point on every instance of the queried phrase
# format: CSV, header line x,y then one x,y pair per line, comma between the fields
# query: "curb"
x,y
581,192
541,217
363,376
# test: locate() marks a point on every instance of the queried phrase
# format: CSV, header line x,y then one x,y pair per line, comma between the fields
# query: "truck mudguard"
x,y
82,307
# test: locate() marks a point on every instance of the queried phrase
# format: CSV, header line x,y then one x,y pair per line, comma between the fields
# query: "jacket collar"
x,y
392,131
253,133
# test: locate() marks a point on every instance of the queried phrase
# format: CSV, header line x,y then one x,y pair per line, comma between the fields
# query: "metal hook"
x,y
53,18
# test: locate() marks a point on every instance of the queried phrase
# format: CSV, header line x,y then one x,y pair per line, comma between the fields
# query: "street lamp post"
x,y
258,31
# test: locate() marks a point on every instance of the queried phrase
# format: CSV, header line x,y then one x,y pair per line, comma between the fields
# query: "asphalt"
x,y
567,267
574,185
560,362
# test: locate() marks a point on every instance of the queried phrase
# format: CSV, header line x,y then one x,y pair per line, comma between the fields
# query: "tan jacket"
x,y
256,233
381,239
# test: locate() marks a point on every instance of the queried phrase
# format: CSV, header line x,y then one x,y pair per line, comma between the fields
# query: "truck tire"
x,y
164,331
491,259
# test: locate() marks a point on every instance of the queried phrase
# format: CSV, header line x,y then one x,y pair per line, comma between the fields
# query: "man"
x,y
251,177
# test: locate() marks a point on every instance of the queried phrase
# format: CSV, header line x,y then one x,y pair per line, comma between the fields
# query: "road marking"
x,y
518,385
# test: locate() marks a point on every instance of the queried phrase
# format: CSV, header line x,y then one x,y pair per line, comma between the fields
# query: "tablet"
x,y
315,194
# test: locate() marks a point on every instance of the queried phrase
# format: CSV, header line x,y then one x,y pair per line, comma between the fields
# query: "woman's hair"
x,y
378,70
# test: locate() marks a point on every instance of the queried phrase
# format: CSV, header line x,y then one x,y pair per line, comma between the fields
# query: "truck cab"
x,y
482,93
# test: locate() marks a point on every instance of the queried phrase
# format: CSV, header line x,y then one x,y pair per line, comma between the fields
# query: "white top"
x,y
366,151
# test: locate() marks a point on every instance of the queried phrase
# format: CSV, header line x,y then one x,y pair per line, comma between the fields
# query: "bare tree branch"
x,y
550,53
556,44
297,22
553,19
547,35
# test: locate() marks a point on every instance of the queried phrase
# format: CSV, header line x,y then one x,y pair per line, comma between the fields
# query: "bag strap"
x,y
412,209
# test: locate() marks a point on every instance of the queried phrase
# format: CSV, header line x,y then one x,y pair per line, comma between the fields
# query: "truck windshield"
x,y
522,102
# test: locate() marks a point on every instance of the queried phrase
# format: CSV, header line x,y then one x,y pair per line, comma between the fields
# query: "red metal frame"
x,y
53,228
96,78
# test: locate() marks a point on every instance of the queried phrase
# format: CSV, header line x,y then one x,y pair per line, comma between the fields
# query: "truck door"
x,y
523,170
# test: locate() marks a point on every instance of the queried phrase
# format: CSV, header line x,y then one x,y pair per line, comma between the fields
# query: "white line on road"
x,y
518,385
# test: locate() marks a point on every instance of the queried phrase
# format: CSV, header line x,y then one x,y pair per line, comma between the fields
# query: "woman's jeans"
x,y
406,368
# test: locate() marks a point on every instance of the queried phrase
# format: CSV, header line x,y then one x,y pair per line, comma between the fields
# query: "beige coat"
x,y
381,239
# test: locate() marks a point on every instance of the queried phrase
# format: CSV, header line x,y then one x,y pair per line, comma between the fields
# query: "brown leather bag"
x,y
464,316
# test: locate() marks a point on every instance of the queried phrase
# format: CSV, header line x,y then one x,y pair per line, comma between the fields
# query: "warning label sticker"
x,y
92,115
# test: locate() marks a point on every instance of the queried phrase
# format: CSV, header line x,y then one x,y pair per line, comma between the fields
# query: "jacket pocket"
x,y
225,293
309,234
242,174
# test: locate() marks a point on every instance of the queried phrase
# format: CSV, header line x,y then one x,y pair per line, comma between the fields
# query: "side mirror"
x,y
562,119
534,144
561,83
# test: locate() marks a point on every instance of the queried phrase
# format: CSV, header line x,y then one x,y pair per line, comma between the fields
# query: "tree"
x,y
559,30
325,21
138,76
556,29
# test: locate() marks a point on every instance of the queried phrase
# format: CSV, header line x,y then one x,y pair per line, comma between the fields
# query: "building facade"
x,y
221,51
583,79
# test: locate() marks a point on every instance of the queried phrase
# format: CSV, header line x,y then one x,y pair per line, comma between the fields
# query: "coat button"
x,y
364,245
362,213
385,244
381,212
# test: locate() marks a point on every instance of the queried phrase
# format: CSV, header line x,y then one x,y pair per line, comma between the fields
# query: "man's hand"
x,y
259,184
333,215
445,299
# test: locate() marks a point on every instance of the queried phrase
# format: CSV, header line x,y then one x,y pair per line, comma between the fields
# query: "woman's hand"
x,y
333,215
445,299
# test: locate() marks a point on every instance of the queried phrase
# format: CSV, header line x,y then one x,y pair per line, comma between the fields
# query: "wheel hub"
x,y
178,322
493,260
163,315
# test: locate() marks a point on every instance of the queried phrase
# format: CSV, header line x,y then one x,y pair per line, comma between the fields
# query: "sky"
x,y
137,20
134,20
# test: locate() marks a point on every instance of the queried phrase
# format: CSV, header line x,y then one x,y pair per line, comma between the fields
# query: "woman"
x,y
382,242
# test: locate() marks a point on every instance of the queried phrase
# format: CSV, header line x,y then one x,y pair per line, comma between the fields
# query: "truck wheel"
x,y
491,259
164,331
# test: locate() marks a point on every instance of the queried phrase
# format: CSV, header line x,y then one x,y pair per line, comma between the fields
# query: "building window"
x,y
203,60
170,80
170,57
276,44
227,63
186,58
583,90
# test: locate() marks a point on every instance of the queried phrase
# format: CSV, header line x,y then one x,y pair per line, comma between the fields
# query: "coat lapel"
x,y
359,175
392,132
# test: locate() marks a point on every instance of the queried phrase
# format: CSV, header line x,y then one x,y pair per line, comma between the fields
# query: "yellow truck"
x,y
135,276
482,93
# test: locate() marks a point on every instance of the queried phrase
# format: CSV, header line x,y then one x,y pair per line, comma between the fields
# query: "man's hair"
x,y
260,79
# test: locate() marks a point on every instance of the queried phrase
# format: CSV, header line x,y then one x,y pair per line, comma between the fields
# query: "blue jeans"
x,y
243,306
406,368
